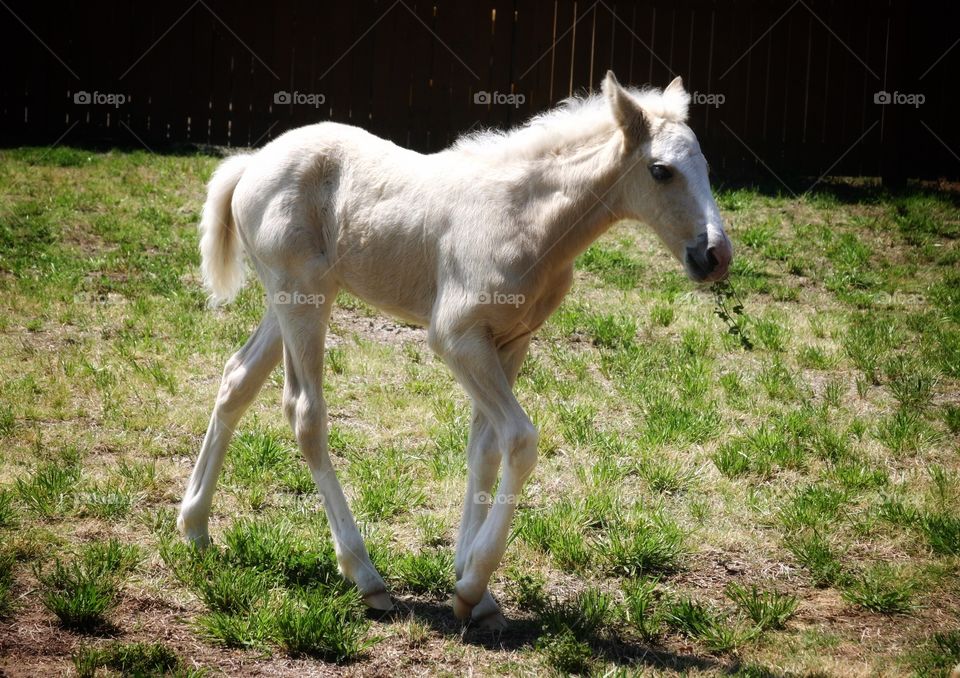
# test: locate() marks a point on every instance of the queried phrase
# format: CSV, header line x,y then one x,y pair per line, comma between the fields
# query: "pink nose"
x,y
719,257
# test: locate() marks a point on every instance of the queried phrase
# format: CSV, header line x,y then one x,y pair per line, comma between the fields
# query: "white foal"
x,y
476,243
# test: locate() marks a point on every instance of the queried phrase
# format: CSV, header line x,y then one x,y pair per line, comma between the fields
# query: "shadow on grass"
x,y
523,633
839,190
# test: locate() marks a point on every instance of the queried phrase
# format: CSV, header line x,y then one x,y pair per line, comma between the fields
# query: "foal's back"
x,y
348,207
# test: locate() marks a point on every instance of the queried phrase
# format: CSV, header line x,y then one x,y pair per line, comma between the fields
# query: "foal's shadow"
x,y
524,632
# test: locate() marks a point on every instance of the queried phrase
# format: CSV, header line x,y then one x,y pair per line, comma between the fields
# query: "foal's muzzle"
x,y
709,259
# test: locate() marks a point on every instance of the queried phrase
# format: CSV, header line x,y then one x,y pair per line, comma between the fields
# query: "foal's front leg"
x,y
475,362
483,462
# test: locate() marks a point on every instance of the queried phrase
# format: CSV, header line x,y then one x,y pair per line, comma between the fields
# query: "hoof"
x,y
461,608
198,540
493,621
379,600
194,535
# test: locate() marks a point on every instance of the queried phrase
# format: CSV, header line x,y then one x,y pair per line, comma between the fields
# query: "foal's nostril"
x,y
712,260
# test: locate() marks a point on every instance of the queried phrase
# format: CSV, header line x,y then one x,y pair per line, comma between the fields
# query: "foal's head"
x,y
665,181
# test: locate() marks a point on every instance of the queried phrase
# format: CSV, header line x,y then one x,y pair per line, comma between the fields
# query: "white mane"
x,y
572,121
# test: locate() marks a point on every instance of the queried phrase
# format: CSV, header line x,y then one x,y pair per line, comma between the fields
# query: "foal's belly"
x,y
404,290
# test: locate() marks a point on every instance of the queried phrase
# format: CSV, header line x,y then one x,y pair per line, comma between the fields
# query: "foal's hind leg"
x,y
304,330
243,376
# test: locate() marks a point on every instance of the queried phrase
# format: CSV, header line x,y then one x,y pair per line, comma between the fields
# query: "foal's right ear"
x,y
626,111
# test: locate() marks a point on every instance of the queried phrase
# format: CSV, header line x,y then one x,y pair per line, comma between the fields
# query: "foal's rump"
x,y
326,201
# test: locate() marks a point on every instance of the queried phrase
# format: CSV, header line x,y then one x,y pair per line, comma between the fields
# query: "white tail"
x,y
220,248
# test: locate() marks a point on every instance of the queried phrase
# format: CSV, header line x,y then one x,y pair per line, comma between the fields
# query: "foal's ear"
x,y
626,111
675,86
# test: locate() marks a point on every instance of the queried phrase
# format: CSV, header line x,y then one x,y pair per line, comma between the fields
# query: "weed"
x,y
564,653
611,332
129,659
586,614
729,308
273,546
662,315
937,655
260,458
108,501
638,600
767,609
643,545
321,624
7,562
911,383
665,475
770,333
814,551
82,591
812,507
558,531
951,417
249,629
231,590
705,624
905,432
881,588
78,597
337,359
8,512
430,571
815,358
49,492
385,485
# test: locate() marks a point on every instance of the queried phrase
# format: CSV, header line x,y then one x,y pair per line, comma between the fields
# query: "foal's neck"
x,y
576,196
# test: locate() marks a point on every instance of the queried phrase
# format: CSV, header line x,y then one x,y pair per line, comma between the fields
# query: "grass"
x,y
881,588
7,564
767,609
699,507
82,591
328,627
130,659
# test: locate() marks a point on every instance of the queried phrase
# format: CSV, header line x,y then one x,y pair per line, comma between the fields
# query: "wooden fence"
x,y
780,86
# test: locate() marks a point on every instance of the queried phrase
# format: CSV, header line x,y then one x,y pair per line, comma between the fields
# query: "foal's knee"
x,y
306,412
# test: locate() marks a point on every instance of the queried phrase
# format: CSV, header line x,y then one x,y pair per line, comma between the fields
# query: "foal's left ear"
x,y
675,86
626,111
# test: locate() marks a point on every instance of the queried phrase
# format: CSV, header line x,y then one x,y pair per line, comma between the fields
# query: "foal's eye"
x,y
660,172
